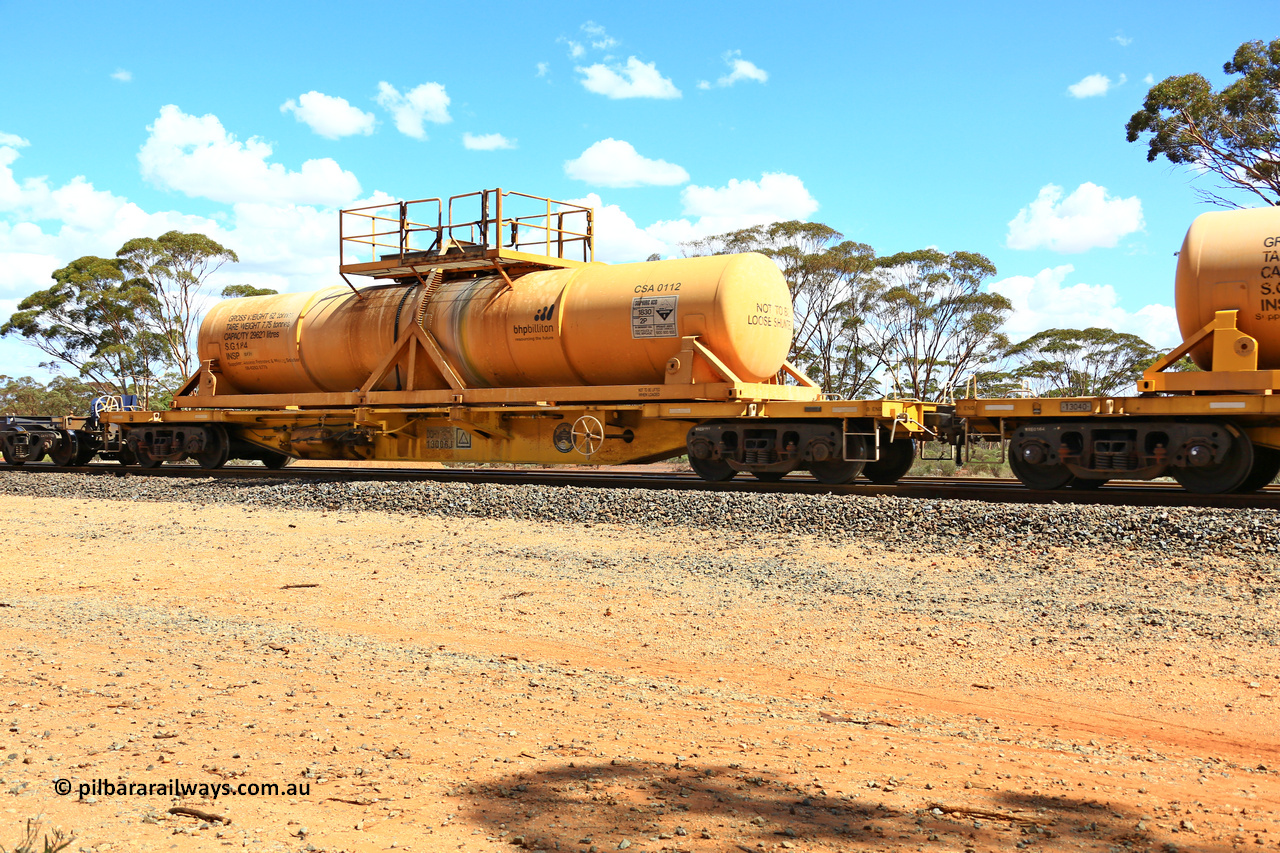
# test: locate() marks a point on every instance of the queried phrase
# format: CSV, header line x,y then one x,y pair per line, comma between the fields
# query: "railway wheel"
x,y
769,476
712,470
1217,478
1266,465
88,450
9,458
1032,465
66,449
275,461
896,459
835,472
217,448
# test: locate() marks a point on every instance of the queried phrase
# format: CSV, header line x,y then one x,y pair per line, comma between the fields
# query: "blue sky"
x,y
997,128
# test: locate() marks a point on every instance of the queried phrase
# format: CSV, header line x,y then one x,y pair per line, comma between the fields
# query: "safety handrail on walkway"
x,y
494,223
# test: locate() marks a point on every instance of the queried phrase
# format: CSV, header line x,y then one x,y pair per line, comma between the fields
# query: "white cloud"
x,y
1122,40
281,244
1091,86
739,69
597,38
486,142
1088,218
634,80
198,157
543,68
1150,79
44,227
741,204
618,238
18,358
122,75
329,116
428,102
1045,301
615,163
12,141
86,214
600,40
708,210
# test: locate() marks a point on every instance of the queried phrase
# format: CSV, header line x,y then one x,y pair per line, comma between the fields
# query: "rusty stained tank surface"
x,y
1231,260
596,324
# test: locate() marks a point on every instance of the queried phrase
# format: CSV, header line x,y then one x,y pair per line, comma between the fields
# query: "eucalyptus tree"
x,y
62,395
830,280
933,323
175,267
236,291
1233,133
1081,362
95,320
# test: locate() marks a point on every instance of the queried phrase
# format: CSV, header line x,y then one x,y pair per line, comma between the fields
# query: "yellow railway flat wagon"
x,y
496,337
1215,429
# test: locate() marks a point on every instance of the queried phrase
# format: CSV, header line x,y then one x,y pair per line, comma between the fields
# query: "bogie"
x,y
771,449
1204,456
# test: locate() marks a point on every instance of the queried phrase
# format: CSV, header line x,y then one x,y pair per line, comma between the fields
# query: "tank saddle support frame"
x,y
1235,363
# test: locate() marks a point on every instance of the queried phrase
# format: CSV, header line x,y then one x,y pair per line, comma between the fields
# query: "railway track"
x,y
990,489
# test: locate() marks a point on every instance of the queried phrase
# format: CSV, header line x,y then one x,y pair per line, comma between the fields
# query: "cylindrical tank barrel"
x,y
1231,259
596,324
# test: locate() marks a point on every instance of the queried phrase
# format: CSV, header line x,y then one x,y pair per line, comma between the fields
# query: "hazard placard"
x,y
653,316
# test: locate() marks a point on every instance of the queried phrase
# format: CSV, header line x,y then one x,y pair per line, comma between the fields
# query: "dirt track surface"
x,y
462,684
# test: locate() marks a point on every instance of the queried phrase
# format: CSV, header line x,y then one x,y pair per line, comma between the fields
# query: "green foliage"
x,y
1082,362
990,383
62,396
31,842
174,267
938,460
934,324
1234,133
236,291
831,281
94,320
920,316
126,323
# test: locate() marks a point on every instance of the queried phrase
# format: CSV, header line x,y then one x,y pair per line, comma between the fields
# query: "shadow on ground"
x,y
636,805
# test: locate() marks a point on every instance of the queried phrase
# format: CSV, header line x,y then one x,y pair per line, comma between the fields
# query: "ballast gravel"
x,y
483,666
947,527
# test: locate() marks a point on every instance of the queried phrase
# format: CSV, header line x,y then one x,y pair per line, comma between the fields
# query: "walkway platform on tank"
x,y
491,230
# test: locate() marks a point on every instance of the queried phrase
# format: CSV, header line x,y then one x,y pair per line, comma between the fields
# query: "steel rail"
x,y
986,489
